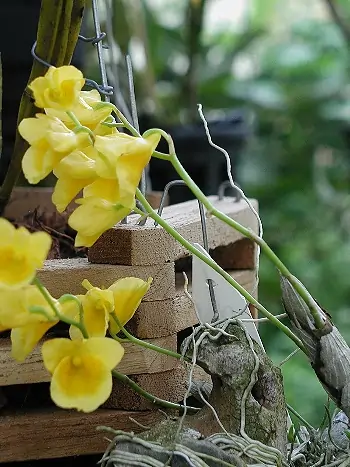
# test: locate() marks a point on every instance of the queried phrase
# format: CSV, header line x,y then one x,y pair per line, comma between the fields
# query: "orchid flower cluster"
x,y
81,365
77,139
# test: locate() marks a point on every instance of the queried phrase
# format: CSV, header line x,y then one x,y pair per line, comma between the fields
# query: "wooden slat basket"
x,y
30,426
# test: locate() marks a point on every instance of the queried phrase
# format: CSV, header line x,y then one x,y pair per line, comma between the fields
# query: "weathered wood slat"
x,y
161,318
57,433
169,385
132,244
61,276
137,360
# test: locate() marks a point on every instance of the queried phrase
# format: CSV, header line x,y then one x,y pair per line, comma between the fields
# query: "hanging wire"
x,y
204,235
112,65
99,46
227,185
145,174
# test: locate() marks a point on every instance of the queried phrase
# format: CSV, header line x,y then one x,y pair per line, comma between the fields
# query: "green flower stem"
x,y
39,310
121,117
59,315
142,343
217,268
112,125
300,288
79,127
81,324
155,400
161,155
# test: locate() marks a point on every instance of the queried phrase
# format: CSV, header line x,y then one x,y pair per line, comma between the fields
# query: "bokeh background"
x,y
273,77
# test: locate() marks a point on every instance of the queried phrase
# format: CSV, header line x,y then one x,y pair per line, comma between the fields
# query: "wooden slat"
x,y
137,360
161,318
57,433
169,385
132,244
165,309
61,276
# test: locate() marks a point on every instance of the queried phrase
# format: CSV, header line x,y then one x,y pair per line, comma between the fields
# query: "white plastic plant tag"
x,y
230,303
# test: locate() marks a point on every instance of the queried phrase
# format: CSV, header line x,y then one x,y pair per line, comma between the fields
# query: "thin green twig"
x,y
56,311
142,343
300,288
217,268
155,400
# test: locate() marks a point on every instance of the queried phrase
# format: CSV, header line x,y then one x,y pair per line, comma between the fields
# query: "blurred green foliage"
x,y
298,168
296,87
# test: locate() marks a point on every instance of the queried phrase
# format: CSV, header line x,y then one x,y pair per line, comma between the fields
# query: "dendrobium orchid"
x,y
76,138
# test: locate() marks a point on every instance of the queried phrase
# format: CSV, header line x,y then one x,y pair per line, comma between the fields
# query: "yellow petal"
x,y
97,304
86,240
129,166
37,86
66,189
34,130
7,230
62,139
104,130
83,385
13,312
25,338
58,89
84,111
14,307
78,164
70,308
111,147
153,141
4,328
21,253
39,245
38,162
108,350
128,293
55,350
95,320
104,215
103,188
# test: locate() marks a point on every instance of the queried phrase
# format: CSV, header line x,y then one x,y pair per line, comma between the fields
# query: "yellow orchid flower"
x,y
84,111
14,307
58,89
128,293
25,338
21,254
74,172
50,140
100,202
97,305
81,371
123,298
124,152
93,217
27,327
123,158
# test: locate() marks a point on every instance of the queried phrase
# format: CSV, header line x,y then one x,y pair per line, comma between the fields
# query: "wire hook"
x,y
204,235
